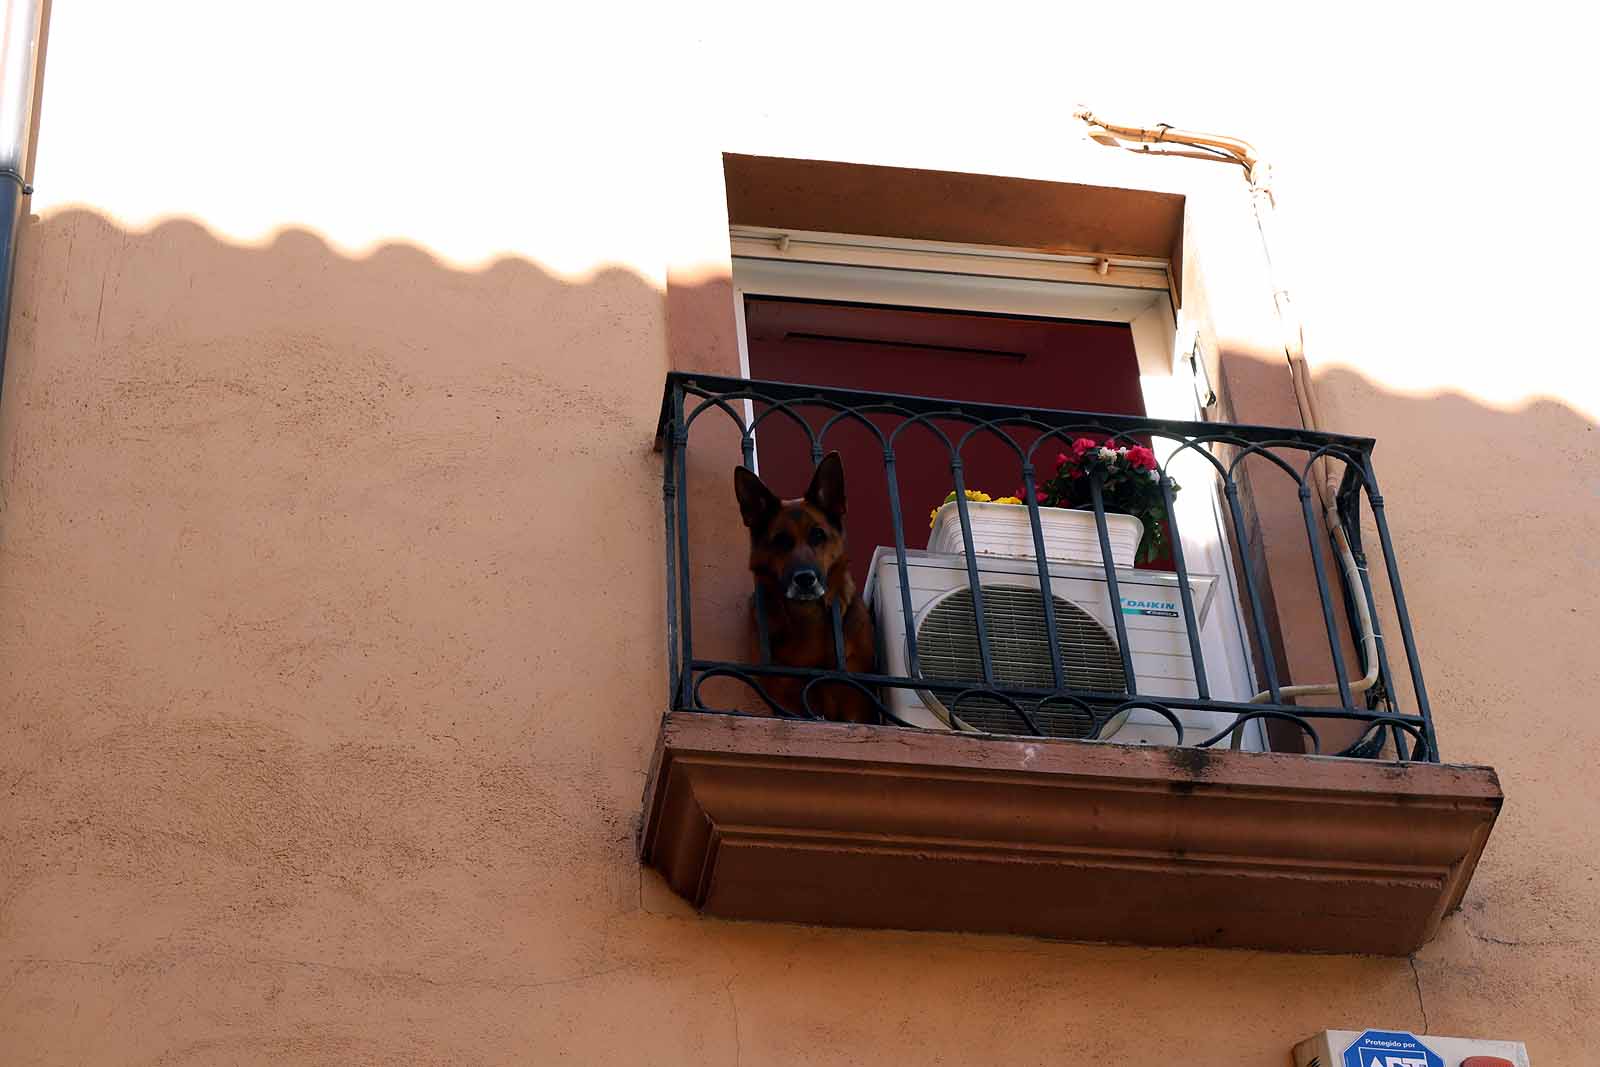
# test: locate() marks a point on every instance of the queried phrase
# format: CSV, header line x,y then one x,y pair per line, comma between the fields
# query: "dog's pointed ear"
x,y
757,503
826,492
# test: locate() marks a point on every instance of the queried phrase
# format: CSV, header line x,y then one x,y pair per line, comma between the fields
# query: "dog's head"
x,y
796,546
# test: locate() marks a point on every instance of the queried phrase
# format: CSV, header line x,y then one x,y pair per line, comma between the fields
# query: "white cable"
x,y
1369,635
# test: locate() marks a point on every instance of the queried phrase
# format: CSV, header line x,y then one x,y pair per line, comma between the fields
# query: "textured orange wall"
x,y
330,550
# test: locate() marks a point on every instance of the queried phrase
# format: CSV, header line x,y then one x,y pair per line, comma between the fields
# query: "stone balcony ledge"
x,y
840,825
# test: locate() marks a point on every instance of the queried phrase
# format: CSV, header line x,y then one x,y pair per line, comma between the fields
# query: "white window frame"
x,y
931,274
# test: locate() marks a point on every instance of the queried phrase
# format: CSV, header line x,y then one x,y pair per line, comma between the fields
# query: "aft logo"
x,y
1390,1048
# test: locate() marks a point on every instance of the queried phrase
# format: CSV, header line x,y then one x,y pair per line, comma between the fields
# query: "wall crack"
x,y
1553,942
738,1044
1416,979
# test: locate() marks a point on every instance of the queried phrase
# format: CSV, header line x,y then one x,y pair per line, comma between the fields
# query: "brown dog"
x,y
797,554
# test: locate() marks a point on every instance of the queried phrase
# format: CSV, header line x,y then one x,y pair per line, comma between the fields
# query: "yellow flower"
x,y
977,496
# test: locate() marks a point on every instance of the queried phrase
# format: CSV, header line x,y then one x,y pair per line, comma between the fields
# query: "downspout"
x,y
19,60
1163,140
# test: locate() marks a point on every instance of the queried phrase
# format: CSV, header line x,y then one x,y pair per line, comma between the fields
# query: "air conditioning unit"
x,y
947,646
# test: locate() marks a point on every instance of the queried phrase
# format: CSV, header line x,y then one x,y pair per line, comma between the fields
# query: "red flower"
x,y
1141,458
1082,445
1021,493
1043,496
1061,459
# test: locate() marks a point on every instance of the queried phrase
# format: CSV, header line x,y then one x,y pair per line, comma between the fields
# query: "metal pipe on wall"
x,y
1164,140
19,62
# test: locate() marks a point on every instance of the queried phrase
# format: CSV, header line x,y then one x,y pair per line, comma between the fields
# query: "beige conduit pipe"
x,y
1163,140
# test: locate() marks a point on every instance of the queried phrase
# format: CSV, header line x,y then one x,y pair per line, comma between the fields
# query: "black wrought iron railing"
x,y
708,424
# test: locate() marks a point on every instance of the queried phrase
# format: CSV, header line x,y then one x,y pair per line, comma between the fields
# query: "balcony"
x,y
1055,747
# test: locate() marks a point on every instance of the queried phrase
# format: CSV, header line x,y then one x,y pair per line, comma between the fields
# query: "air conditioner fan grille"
x,y
947,647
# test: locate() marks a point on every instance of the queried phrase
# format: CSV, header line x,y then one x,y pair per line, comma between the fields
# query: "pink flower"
x,y
1082,445
1061,459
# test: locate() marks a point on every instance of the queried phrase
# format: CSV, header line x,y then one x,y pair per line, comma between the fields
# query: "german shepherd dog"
x,y
797,554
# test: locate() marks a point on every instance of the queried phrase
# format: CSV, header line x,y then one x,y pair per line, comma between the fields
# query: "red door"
x,y
968,356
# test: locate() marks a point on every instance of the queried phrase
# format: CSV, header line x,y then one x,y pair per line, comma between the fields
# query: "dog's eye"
x,y
817,536
782,542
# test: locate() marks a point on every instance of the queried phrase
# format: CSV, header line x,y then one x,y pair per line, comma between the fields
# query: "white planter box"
x,y
1003,530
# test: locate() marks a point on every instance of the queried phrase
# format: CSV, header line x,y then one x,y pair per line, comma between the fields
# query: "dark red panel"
x,y
964,356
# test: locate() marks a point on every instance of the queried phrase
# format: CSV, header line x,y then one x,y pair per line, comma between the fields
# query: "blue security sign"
x,y
1390,1048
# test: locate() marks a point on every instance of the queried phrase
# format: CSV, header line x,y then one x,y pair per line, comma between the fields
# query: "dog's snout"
x,y
804,583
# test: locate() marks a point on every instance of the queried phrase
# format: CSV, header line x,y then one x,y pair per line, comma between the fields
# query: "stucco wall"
x,y
330,553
